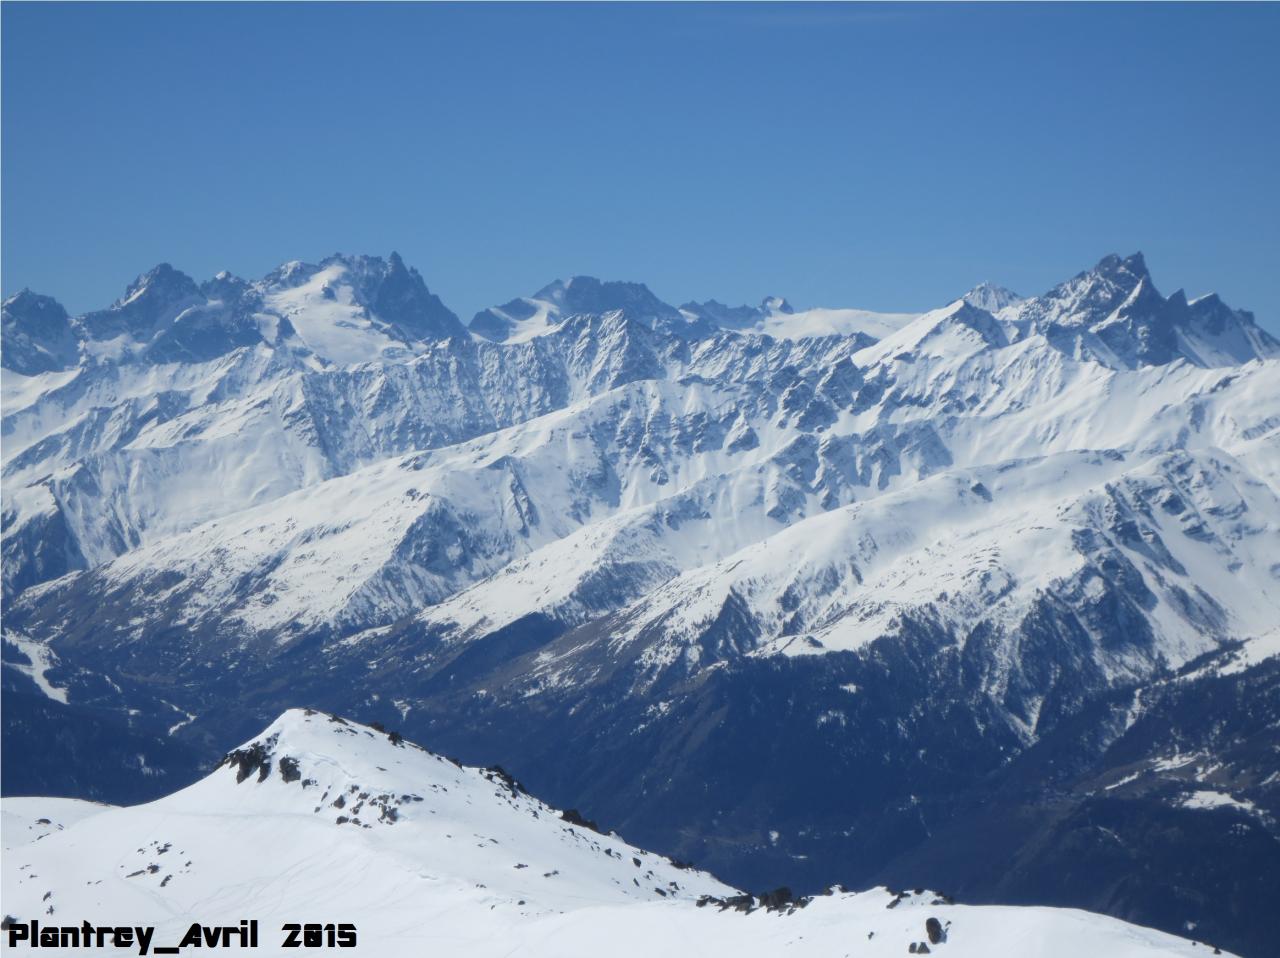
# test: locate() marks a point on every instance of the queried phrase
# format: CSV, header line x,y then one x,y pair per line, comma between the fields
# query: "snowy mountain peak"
x,y
36,312
352,309
289,274
776,304
479,825
1222,336
956,330
149,305
35,334
990,297
526,317
398,295
225,286
1092,295
1113,314
162,285
26,301
1133,266
370,814
717,314
586,294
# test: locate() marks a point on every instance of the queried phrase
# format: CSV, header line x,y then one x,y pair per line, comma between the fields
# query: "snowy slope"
x,y
979,546
321,819
832,322
777,318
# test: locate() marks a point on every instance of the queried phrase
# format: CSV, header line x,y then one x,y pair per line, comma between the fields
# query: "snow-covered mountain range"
x,y
326,821
778,590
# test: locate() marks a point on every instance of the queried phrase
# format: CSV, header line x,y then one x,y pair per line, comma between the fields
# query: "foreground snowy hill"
x,y
809,596
323,820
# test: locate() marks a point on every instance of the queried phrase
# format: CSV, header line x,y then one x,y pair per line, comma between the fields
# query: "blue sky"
x,y
874,156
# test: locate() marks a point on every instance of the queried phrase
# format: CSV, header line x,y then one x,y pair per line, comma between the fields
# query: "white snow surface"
x,y
544,319
331,322
42,658
822,321
1209,798
439,859
1255,649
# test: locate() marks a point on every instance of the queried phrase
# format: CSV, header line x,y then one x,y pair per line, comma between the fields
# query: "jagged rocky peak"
x,y
36,334
346,309
1124,270
356,308
1092,295
35,309
224,286
291,274
380,303
586,294
33,313
1227,336
1113,314
528,316
1217,317
397,294
727,317
159,286
150,302
740,318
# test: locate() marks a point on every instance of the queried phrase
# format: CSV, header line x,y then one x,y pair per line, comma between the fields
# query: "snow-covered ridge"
x,y
777,318
345,310
611,464
321,818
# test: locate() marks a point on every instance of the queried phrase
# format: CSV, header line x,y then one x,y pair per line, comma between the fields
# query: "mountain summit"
x,y
36,333
991,298
579,295
1113,314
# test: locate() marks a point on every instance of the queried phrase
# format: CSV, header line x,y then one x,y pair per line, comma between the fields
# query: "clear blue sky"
x,y
875,156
